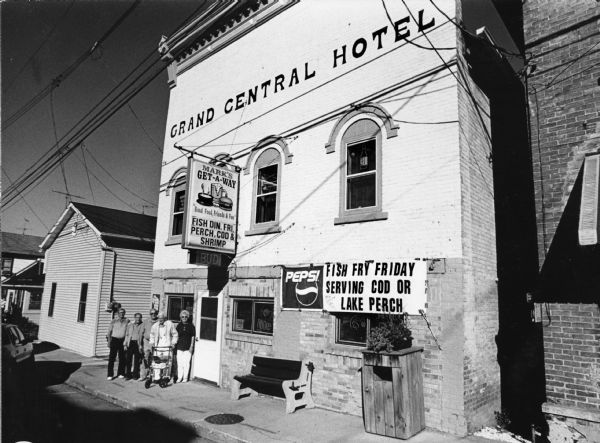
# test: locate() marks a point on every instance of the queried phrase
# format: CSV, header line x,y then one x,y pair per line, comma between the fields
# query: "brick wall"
x,y
572,355
337,377
564,98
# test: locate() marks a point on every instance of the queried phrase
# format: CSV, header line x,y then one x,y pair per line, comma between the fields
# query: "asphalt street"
x,y
41,408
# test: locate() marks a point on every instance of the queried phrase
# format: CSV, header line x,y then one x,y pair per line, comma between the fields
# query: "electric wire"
x,y
118,182
466,31
397,85
26,202
66,73
62,166
33,179
45,40
87,172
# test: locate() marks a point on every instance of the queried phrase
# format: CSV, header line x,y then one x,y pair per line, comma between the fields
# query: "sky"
x,y
39,40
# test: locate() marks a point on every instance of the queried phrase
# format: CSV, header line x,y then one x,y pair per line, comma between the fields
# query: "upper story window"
x,y
360,177
7,266
266,194
177,192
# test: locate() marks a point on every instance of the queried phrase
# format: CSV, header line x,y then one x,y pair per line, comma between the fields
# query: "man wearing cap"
x,y
117,329
147,347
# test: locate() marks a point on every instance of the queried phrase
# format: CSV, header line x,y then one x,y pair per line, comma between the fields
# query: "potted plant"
x,y
391,334
392,380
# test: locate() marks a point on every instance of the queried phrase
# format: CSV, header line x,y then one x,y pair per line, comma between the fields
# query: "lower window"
x,y
35,300
177,303
253,316
352,329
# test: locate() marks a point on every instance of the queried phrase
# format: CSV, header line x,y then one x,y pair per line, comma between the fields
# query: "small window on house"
x,y
177,192
7,267
209,311
352,329
52,298
267,190
360,178
253,316
35,300
82,302
177,303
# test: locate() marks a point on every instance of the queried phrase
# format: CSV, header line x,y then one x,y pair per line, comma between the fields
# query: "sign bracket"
x,y
217,160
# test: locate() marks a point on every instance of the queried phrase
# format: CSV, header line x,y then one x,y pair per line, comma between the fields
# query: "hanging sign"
x,y
211,208
302,288
375,287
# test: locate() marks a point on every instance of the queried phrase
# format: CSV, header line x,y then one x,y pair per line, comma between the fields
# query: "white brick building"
x,y
290,92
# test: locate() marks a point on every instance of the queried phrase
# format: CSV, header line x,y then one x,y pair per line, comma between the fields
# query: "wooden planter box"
x,y
392,392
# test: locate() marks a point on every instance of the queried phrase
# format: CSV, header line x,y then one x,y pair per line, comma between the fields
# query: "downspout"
x,y
100,292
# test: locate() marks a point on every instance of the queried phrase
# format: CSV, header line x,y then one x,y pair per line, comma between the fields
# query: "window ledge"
x,y
250,338
263,230
359,218
173,241
342,350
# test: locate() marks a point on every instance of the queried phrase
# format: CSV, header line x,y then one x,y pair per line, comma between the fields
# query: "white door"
x,y
207,355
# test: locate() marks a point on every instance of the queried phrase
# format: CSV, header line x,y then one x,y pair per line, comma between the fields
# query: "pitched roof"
x,y
21,245
113,226
32,275
120,223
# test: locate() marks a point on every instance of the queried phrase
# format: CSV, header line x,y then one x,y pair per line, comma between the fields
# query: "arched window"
x,y
266,193
360,177
176,189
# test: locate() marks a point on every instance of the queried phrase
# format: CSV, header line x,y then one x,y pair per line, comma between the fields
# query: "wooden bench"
x,y
275,376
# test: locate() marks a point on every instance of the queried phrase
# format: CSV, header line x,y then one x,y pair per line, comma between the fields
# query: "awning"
x,y
571,270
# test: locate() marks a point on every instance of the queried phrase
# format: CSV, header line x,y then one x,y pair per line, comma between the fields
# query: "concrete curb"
x,y
202,428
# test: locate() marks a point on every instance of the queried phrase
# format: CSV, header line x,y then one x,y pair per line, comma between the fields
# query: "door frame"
x,y
205,293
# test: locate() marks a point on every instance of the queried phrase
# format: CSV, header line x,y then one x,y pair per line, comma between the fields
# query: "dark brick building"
x,y
562,41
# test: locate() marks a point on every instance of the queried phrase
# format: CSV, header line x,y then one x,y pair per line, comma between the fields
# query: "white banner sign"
x,y
211,208
375,287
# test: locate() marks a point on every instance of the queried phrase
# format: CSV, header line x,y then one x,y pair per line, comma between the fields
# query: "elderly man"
x,y
117,329
147,347
185,346
133,346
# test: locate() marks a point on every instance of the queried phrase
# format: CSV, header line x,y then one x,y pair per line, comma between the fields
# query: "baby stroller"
x,y
160,366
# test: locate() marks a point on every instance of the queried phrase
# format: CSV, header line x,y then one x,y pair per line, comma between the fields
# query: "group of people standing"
x,y
132,343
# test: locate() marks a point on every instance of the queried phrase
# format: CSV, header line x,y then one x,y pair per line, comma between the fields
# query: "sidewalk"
x,y
264,420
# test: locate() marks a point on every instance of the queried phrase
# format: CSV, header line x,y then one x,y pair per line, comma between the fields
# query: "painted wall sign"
x,y
211,208
375,287
380,39
302,287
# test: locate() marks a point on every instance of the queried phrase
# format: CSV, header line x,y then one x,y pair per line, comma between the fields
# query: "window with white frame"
x,y
177,192
267,191
360,177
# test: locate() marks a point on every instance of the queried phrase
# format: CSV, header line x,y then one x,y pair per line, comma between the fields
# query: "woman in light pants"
x,y
185,346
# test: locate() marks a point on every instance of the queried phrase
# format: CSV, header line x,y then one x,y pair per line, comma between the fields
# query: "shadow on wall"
x,y
32,412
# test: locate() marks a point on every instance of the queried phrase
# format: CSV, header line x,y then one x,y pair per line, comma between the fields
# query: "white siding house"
x,y
94,256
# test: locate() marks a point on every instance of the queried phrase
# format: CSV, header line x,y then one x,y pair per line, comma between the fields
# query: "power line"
x,y
29,178
397,85
26,203
66,73
117,181
62,166
45,40
466,31
87,172
547,85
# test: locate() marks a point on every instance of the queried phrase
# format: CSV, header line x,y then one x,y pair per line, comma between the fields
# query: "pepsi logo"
x,y
306,294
